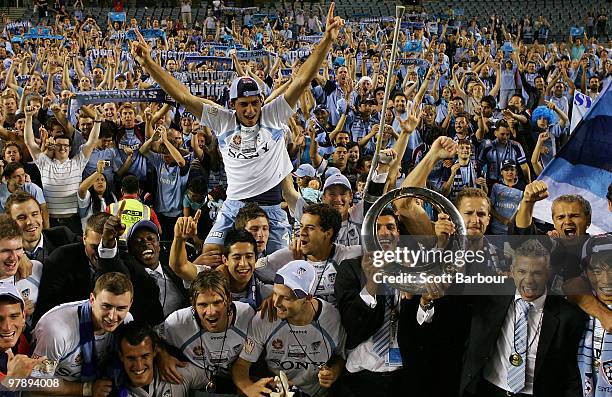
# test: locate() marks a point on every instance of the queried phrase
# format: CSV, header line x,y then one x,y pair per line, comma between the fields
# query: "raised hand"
x,y
411,122
140,49
333,23
444,148
535,191
113,228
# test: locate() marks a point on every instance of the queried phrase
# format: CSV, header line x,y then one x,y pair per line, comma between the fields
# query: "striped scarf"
x,y
596,382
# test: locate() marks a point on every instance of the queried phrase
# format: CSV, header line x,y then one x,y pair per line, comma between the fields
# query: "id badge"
x,y
394,358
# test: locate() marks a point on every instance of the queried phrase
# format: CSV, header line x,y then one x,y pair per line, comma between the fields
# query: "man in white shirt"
x,y
251,137
211,332
306,341
138,348
12,261
79,336
320,224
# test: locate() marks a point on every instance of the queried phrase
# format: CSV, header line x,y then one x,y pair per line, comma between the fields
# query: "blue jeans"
x,y
280,230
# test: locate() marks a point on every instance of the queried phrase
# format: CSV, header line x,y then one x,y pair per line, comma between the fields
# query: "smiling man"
x,y
306,341
251,136
138,348
319,226
71,280
79,336
214,323
158,290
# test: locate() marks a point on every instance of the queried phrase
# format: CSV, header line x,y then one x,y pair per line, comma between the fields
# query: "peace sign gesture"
x,y
113,228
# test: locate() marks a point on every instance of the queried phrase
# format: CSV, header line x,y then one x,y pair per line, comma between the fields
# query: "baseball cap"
x,y
244,87
320,108
299,276
331,171
143,224
337,179
11,290
508,163
595,245
120,76
305,170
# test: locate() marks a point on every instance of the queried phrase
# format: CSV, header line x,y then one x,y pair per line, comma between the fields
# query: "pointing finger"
x,y
141,39
196,217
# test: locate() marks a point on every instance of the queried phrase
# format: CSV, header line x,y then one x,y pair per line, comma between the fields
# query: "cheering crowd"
x,y
209,238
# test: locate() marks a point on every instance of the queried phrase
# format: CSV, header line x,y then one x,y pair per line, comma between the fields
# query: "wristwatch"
x,y
427,306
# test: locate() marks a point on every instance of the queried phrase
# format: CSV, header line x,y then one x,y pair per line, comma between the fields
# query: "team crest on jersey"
x,y
237,348
198,351
275,362
300,271
77,359
167,393
607,370
277,344
314,346
212,110
295,351
332,278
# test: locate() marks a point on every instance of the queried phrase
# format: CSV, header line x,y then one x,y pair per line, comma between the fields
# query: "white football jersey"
x,y
57,336
255,158
29,285
297,350
205,349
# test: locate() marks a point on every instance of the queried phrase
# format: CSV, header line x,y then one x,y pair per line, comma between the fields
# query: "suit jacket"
x,y
361,321
146,305
53,238
556,368
66,277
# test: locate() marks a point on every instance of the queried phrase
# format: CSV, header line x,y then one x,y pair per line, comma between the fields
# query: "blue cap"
x,y
143,224
337,179
299,276
305,170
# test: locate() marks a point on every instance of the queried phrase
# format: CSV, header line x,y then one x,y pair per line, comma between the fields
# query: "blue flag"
x,y
577,31
116,16
584,165
413,46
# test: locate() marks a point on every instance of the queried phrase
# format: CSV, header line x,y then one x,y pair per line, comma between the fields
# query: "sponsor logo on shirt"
x,y
314,346
198,351
295,351
277,344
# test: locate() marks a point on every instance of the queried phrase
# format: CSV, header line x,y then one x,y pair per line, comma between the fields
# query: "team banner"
x,y
239,10
432,28
117,16
376,20
147,34
577,31
292,56
412,25
418,62
251,55
17,27
39,32
203,76
413,46
310,39
220,61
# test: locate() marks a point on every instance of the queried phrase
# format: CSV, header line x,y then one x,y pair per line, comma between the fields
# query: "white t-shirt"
x,y
57,336
194,378
61,182
267,267
205,349
29,285
255,158
293,348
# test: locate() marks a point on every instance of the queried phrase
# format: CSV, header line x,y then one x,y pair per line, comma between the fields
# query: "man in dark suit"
x,y
38,244
374,364
523,343
69,273
158,291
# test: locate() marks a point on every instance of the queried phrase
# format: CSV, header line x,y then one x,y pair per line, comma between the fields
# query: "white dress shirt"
x,y
496,370
363,356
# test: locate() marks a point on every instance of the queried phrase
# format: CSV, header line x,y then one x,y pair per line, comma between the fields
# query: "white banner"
x,y
582,104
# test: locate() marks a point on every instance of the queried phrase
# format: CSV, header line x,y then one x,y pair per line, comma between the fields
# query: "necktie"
x,y
161,283
516,374
382,338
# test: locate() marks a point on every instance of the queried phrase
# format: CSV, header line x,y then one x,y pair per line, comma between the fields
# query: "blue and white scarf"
x,y
89,368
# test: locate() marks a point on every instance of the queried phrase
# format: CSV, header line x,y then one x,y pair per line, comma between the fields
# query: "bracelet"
x,y
88,389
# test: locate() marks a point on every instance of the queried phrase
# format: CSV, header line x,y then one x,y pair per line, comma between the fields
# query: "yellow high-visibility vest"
x,y
133,212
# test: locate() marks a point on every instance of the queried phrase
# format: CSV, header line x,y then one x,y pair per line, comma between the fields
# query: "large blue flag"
x,y
584,165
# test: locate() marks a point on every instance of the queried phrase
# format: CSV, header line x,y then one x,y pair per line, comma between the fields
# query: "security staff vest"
x,y
133,212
